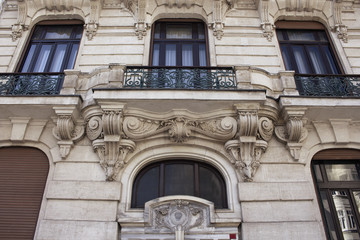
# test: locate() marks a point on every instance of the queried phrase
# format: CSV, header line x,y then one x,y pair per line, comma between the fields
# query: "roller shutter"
x,y
23,174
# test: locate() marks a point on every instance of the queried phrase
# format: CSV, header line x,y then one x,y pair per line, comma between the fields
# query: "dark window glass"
x,y
179,178
339,191
307,52
52,48
179,44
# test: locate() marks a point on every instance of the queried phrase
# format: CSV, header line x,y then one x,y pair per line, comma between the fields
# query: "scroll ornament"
x,y
246,151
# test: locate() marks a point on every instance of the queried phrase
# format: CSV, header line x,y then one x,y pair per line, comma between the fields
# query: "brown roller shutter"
x,y
337,154
23,173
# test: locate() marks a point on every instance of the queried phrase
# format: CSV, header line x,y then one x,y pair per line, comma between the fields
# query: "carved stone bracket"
x,y
177,214
68,130
217,26
180,129
294,133
104,129
92,24
141,26
339,27
253,135
18,28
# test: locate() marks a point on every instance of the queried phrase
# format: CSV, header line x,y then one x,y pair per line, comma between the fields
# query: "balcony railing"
x,y
30,83
180,77
328,85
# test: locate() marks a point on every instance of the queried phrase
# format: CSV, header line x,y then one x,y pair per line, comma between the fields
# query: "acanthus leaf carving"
x,y
294,132
67,129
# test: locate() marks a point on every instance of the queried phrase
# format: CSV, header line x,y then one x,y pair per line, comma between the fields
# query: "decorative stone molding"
x,y
141,26
179,128
243,4
67,129
92,25
266,26
339,27
253,135
179,3
178,215
217,26
18,28
294,133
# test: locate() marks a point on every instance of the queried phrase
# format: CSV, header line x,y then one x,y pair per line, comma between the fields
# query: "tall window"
x,y
338,184
179,178
179,44
52,48
306,50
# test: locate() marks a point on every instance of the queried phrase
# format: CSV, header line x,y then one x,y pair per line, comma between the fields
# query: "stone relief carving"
x,y
18,28
180,129
339,27
266,26
92,24
141,26
253,135
177,215
294,133
67,130
217,26
243,4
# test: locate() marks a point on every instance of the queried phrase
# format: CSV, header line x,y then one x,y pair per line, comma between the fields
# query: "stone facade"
x,y
261,136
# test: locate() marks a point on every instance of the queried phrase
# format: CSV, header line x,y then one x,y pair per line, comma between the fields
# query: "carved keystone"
x,y
294,133
68,130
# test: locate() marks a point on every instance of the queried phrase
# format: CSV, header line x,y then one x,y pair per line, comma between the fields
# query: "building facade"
x,y
186,119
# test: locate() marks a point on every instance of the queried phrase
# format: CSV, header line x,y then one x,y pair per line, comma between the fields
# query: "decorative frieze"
x,y
68,130
294,132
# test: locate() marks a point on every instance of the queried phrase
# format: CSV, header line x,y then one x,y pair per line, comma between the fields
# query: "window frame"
x,y
335,156
164,22
307,26
26,50
196,183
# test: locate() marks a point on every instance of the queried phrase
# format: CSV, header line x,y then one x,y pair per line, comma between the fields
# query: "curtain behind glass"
x,y
170,55
187,55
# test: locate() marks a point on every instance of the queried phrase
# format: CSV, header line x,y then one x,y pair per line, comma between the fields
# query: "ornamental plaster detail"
x,y
294,132
67,129
177,215
251,142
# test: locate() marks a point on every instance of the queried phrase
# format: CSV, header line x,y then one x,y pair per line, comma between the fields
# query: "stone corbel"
x,y
18,28
104,129
294,133
266,26
217,26
141,26
68,130
92,25
339,27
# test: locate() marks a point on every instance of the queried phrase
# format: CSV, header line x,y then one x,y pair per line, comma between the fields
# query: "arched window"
x,y
178,177
337,177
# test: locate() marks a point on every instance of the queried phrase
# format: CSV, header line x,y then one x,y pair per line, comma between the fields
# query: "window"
x,y
52,48
179,44
179,178
338,184
306,49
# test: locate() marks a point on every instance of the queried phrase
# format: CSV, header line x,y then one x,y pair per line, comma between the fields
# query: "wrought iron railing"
x,y
180,77
30,83
328,85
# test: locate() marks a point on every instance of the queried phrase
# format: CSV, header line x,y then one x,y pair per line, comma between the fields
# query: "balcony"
x,y
328,85
145,77
30,83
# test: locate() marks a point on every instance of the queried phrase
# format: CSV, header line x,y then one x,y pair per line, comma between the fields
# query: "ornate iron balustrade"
x,y
30,83
328,85
180,77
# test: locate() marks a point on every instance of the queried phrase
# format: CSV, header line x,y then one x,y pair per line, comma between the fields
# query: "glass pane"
x,y
301,35
43,58
322,36
170,55
329,220
179,31
202,55
317,172
300,59
37,33
58,58
201,31
179,179
157,31
58,32
72,57
280,35
342,172
357,200
286,57
330,60
29,57
210,187
78,32
315,58
148,187
156,54
345,215
187,55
